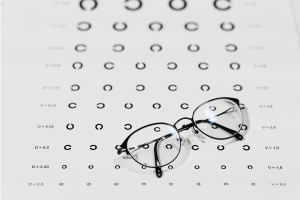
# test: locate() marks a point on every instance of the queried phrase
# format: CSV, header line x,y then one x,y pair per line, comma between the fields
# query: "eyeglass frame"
x,y
123,147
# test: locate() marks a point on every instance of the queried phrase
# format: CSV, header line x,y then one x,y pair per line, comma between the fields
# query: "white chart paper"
x,y
68,76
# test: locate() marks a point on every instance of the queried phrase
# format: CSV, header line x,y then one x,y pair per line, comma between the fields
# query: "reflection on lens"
x,y
155,145
219,118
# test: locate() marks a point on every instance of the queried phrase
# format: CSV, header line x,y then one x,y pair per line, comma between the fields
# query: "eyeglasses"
x,y
157,145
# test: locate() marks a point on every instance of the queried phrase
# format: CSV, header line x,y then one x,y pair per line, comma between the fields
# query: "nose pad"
x,y
182,140
185,143
198,134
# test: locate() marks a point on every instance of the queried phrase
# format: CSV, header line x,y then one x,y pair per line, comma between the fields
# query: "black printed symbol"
x,y
178,8
77,65
244,127
197,167
231,47
217,6
172,65
109,65
140,87
214,126
81,4
250,167
72,105
100,105
235,66
84,26
61,184
170,167
246,147
143,167
156,48
118,147
143,65
116,184
155,24
156,129
118,48
223,167
203,66
156,106
195,147
172,87
237,87
117,166
98,126
127,126
184,106
227,26
226,184
146,146
75,87
89,184
67,147
253,184
128,105
170,184
143,183
220,147
198,184
70,126
93,147
134,8
169,146
193,48
64,166
191,26
91,166
80,47
205,88
242,106
212,108
107,86
120,26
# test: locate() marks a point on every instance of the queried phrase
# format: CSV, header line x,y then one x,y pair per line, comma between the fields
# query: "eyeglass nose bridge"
x,y
184,127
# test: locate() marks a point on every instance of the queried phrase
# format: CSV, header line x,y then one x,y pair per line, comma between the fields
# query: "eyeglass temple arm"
x,y
157,162
158,139
188,126
230,131
142,145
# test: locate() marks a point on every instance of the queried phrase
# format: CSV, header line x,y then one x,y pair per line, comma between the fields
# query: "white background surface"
x,y
295,4
38,52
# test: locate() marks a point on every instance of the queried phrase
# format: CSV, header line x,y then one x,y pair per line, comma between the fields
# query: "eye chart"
x,y
79,76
